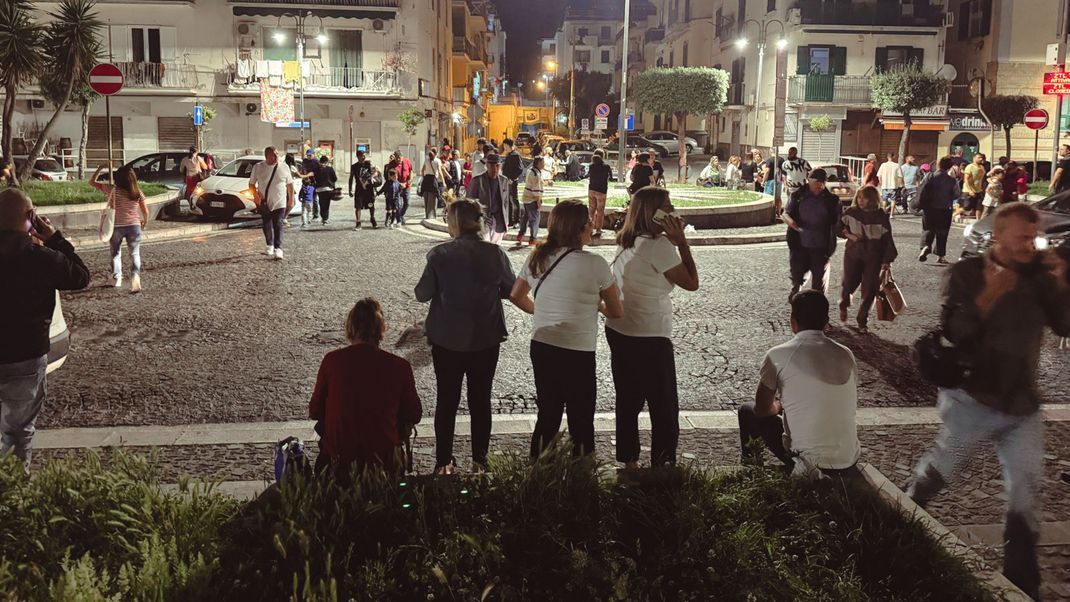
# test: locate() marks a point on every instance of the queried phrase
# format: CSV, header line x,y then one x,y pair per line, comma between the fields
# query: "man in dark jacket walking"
x,y
936,200
813,219
35,262
512,168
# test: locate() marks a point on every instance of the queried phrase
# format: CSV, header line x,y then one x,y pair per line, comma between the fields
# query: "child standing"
x,y
392,191
994,191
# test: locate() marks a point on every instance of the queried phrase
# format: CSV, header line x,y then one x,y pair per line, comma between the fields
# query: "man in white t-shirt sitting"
x,y
812,425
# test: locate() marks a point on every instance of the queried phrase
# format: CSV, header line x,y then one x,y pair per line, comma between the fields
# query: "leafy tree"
x,y
72,45
410,120
682,91
905,90
591,89
22,56
1008,111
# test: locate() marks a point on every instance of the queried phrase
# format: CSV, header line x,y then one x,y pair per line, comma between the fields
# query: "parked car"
x,y
524,139
841,181
1054,227
59,339
162,168
671,141
642,144
44,168
227,194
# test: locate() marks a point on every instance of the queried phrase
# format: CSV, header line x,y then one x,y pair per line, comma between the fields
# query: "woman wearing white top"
x,y
430,186
732,173
532,202
652,257
549,170
578,285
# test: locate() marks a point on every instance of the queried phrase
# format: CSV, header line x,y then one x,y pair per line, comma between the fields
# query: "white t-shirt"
x,y
479,167
275,197
889,175
432,168
566,310
818,383
640,274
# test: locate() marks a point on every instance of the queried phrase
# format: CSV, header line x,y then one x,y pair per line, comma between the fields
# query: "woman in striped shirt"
x,y
130,217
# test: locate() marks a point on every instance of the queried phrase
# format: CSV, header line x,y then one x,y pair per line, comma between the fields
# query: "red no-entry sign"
x,y
1036,119
106,79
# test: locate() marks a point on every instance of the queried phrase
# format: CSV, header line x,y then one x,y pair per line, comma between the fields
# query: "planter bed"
x,y
46,194
556,530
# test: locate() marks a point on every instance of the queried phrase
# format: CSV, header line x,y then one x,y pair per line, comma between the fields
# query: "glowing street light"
x,y
741,43
782,43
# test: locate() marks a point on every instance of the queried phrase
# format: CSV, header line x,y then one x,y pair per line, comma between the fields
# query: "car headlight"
x,y
248,194
198,190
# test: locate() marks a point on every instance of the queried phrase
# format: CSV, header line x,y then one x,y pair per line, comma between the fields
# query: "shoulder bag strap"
x,y
535,295
267,188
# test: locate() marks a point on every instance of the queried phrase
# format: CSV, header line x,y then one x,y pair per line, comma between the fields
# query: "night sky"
x,y
525,21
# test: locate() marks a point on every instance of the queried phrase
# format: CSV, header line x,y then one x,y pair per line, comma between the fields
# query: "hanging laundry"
x,y
244,70
276,104
291,71
262,71
275,68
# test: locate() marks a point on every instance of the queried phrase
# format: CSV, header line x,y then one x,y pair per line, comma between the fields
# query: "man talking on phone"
x,y
35,262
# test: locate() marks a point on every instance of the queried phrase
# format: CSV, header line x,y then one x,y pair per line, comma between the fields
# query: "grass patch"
x,y
1039,187
553,530
75,193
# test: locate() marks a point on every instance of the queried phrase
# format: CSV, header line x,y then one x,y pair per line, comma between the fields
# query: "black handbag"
x,y
940,362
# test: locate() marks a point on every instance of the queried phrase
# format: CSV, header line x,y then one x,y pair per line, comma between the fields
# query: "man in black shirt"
x,y
598,175
642,174
309,165
512,168
35,262
363,194
1060,180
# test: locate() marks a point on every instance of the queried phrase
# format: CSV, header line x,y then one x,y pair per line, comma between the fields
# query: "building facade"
x,y
364,62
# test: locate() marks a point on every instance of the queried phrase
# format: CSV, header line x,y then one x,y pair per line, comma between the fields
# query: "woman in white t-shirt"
x,y
431,183
652,257
568,288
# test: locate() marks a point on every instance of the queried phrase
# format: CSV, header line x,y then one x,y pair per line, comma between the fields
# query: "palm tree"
x,y
21,57
73,46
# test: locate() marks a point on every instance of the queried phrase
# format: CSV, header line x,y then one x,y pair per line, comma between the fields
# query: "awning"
x,y
918,125
326,13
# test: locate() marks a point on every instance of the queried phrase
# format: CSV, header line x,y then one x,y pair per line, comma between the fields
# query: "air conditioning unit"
x,y
794,17
378,25
252,108
949,19
245,32
37,103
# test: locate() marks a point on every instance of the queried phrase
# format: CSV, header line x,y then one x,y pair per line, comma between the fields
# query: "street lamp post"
x,y
301,39
781,43
622,134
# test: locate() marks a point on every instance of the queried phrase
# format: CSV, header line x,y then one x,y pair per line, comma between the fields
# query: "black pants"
x,y
644,370
325,198
802,260
936,223
515,211
860,269
450,368
769,429
564,382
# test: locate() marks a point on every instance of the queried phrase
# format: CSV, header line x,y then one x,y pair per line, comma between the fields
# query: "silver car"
x,y
671,141
44,168
841,181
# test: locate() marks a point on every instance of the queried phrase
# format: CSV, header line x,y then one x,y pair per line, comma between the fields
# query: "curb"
x,y
87,214
153,236
701,241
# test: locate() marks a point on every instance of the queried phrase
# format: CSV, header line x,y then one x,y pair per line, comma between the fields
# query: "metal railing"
x,y
158,75
846,89
856,12
476,52
340,79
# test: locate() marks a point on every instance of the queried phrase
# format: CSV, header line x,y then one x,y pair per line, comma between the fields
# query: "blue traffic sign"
x,y
198,115
601,110
629,122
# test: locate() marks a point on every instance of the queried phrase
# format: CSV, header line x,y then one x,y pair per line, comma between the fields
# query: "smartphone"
x,y
659,216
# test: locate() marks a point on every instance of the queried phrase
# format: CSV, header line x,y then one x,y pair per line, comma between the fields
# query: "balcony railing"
x,y
341,3
842,89
157,75
462,44
341,79
920,13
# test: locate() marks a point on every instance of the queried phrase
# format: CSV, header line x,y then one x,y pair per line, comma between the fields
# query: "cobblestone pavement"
x,y
222,334
977,499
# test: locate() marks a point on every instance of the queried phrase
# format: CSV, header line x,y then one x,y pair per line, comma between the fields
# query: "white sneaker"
x,y
135,283
115,281
270,251
278,253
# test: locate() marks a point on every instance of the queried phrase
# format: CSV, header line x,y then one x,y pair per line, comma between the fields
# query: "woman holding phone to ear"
x,y
652,258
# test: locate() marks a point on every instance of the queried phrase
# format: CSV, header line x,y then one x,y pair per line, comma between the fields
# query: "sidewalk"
x,y
86,237
722,236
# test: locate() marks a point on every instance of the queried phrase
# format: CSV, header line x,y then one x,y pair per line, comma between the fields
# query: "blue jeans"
x,y
403,206
132,236
529,220
273,227
22,392
1019,441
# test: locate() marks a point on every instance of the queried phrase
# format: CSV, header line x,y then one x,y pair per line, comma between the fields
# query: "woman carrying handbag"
x,y
126,208
869,253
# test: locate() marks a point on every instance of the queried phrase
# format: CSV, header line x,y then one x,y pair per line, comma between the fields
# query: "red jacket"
x,y
361,395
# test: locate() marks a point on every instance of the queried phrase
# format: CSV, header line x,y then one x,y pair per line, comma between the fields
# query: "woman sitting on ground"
x,y
710,175
364,398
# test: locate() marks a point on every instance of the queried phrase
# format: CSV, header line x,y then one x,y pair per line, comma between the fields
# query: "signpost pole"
x,y
1061,61
107,112
622,134
1036,151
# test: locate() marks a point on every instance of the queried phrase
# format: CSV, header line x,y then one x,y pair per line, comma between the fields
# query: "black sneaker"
x,y
924,254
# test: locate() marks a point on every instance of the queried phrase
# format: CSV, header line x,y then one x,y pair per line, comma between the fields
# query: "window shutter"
x,y
964,21
803,62
120,35
168,42
838,60
986,17
882,59
917,56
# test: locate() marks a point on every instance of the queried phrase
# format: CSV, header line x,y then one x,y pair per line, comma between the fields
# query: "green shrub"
x,y
75,192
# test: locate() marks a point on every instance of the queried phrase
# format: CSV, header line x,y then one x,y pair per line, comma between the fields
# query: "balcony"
x,y
474,52
146,76
331,81
836,89
871,13
333,3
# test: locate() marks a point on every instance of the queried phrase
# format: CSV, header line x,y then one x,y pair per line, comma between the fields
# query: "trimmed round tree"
x,y
1007,111
682,91
905,90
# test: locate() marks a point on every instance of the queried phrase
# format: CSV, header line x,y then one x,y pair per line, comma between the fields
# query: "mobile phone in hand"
x,y
660,216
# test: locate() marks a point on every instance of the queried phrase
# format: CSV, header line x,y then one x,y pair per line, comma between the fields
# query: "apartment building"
x,y
587,37
474,31
986,42
364,62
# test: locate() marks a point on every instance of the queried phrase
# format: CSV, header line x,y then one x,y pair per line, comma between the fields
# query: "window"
x,y
605,57
687,10
672,57
741,16
582,32
770,6
735,88
821,60
605,32
890,57
583,56
683,58
279,51
145,44
718,17
975,19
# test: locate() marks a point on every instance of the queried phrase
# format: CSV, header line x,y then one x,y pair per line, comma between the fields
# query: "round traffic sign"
x,y
601,110
1036,119
106,79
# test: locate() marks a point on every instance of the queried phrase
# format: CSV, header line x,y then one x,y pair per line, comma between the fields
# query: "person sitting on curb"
x,y
812,426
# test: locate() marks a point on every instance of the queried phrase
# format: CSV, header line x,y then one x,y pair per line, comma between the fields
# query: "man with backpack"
x,y
512,168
